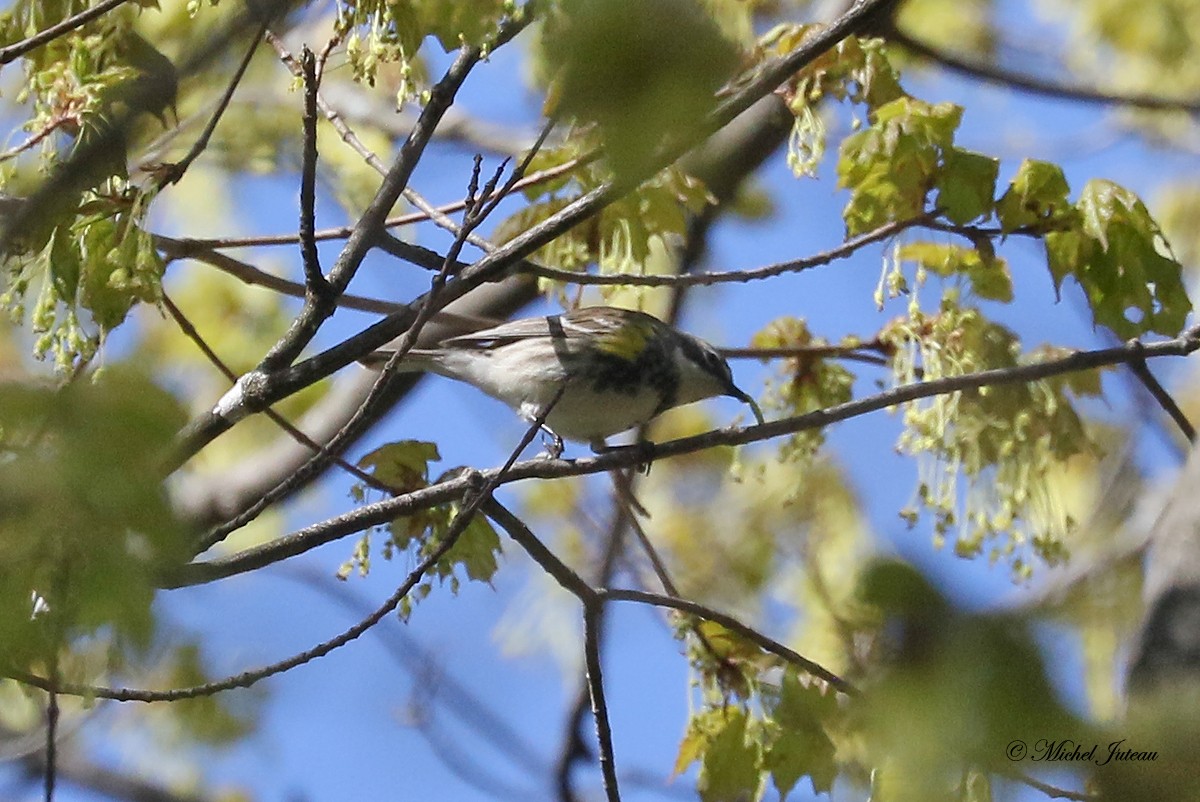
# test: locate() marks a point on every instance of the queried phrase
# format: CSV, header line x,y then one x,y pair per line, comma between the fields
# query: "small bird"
x,y
604,370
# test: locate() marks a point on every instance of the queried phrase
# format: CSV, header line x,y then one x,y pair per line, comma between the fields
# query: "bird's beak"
x,y
736,392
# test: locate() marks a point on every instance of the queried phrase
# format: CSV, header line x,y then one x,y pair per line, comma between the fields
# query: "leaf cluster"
x,y
403,467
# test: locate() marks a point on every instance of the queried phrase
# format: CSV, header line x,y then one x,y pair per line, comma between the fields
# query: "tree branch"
x,y
314,282
18,49
842,251
524,537
172,173
175,249
595,682
382,512
729,622
1038,86
1164,399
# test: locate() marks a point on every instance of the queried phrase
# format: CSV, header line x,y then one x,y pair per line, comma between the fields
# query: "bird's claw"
x,y
555,446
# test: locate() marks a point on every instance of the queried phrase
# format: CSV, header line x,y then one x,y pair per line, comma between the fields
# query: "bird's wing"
x,y
579,326
512,331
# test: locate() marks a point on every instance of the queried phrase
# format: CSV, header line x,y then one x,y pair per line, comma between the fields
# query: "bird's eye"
x,y
718,365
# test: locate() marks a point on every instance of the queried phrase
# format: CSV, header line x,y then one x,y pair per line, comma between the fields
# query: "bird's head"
x,y
704,373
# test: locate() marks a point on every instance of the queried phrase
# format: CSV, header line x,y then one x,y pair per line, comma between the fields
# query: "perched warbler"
x,y
604,370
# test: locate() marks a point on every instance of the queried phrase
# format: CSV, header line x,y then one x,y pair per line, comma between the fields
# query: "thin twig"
x,y
50,777
314,281
172,173
524,537
444,222
18,49
851,353
595,682
34,139
1160,394
842,251
472,709
192,333
410,218
623,494
731,623
175,249
246,678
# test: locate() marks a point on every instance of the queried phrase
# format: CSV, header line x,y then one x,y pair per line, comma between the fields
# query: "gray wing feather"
x,y
580,324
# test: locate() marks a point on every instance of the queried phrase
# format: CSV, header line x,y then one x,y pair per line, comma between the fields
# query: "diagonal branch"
x,y
189,330
1142,371
314,281
731,623
406,504
172,173
549,562
18,49
1035,85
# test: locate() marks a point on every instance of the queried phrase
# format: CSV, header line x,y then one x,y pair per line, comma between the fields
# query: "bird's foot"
x,y
553,443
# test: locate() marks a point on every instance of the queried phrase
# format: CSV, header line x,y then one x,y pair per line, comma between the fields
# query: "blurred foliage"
x,y
85,528
644,73
952,695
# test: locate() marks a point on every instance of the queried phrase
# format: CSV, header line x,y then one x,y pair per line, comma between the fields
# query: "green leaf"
x,y
64,265
1133,287
726,644
453,22
403,465
729,769
1066,252
1037,194
476,551
966,185
891,166
803,747
85,527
